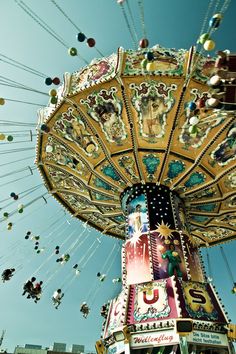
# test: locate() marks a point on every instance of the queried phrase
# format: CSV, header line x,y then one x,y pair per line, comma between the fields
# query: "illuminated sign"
x,y
208,338
116,314
116,348
151,301
152,339
199,302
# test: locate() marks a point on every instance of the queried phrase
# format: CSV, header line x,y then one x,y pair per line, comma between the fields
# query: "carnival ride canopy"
x,y
119,122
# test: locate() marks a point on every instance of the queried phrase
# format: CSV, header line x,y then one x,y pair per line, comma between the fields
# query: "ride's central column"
x,y
164,294
158,243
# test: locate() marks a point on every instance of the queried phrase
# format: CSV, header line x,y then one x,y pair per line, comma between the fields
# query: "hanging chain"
x,y
29,12
209,266
44,25
65,15
22,66
132,20
128,24
25,102
227,264
206,16
69,19
221,11
225,6
141,11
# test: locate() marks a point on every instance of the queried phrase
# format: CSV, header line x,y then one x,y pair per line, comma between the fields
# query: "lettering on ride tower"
x,y
154,298
200,301
117,309
198,296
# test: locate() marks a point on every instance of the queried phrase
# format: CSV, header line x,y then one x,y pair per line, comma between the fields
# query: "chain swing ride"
x,y
141,146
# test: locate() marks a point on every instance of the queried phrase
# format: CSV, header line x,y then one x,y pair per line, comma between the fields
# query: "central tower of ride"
x,y
158,245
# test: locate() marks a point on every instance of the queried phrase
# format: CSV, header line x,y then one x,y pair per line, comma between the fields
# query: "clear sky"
x,y
170,23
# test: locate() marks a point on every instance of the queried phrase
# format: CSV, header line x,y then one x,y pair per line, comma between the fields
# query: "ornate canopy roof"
x,y
117,124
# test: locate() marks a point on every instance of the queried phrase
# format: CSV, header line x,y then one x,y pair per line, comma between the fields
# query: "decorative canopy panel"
x,y
116,125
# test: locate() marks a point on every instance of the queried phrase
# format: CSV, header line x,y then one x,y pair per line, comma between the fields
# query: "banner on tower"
x,y
170,258
137,216
152,301
116,314
208,338
198,301
138,265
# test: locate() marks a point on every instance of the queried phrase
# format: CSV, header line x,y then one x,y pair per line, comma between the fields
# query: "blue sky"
x,y
170,23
